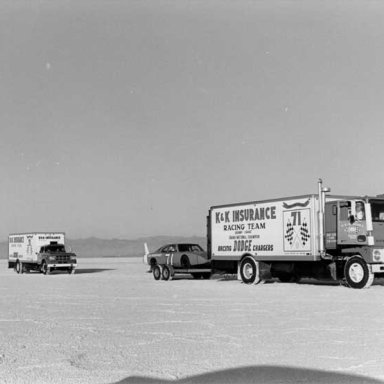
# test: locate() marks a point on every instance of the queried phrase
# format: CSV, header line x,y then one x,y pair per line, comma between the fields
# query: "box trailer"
x,y
42,251
317,235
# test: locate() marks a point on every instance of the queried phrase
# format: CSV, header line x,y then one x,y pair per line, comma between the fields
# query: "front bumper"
x,y
377,268
53,264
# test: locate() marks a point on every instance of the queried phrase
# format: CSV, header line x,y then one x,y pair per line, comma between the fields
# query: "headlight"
x,y
378,255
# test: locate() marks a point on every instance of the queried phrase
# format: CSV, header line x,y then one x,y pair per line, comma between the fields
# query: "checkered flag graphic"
x,y
289,233
304,232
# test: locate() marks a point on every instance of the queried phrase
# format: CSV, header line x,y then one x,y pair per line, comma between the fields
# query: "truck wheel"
x,y
166,273
249,271
19,267
357,273
45,269
156,272
206,275
185,263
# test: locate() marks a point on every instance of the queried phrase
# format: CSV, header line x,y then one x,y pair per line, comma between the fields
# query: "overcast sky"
x,y
131,118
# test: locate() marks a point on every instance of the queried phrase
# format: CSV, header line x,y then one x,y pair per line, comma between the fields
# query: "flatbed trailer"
x,y
167,272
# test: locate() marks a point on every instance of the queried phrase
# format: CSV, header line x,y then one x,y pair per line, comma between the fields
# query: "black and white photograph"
x,y
191,192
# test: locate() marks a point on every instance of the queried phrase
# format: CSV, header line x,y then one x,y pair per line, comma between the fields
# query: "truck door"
x,y
330,222
352,226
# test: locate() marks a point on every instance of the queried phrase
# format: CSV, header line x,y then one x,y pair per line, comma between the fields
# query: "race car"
x,y
181,255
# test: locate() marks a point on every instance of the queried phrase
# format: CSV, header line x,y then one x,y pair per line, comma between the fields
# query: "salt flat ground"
x,y
112,322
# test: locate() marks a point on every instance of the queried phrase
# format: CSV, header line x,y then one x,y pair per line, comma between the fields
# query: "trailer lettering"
x,y
242,245
222,217
16,239
256,225
224,248
263,247
253,214
234,227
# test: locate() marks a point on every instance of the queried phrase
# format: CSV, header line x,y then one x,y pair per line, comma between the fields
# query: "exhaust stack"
x,y
321,191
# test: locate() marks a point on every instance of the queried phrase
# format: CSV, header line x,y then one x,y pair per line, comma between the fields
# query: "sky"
x,y
125,119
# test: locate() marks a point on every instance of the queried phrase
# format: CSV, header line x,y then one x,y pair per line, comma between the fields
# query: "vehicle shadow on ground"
x,y
261,375
80,271
304,281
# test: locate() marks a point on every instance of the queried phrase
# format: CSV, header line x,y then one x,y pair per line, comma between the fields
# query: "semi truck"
x,y
43,252
316,235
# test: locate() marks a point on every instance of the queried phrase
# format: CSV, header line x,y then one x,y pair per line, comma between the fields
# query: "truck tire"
x,y
357,273
18,267
184,262
166,273
206,275
249,271
45,269
156,272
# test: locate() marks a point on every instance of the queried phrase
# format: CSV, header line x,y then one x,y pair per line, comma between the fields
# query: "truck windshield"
x,y
377,208
55,248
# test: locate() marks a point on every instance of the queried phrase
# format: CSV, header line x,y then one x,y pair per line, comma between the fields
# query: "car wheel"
x,y
249,271
156,272
166,273
357,273
185,263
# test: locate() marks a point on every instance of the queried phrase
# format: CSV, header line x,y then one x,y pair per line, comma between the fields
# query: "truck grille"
x,y
62,259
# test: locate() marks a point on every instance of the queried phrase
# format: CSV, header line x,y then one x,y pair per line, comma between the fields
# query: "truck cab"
x,y
354,228
54,256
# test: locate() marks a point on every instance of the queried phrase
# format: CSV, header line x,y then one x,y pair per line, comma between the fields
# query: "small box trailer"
x,y
316,235
167,272
40,251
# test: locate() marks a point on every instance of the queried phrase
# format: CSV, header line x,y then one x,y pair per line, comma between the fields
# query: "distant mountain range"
x,y
95,247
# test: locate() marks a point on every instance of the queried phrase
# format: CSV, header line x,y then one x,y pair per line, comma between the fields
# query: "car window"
x,y
189,248
168,249
196,248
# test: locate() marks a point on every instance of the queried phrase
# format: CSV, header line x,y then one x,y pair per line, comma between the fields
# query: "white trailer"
x,y
310,235
40,251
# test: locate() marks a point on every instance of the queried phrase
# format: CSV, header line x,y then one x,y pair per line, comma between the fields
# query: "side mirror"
x,y
351,219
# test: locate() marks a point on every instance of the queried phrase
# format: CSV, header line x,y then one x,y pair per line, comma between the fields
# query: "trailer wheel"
x,y
166,273
152,263
249,271
185,263
156,272
357,273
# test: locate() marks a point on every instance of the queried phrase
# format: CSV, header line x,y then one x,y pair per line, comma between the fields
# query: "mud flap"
x,y
265,271
332,270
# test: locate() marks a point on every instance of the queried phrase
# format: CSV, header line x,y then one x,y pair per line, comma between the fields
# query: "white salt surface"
x,y
112,322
